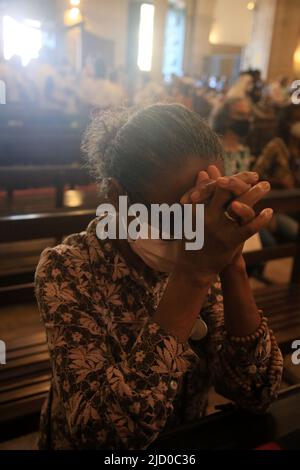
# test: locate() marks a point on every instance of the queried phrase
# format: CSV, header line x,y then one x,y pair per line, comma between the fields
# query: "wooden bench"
x,y
19,287
25,378
43,176
24,383
281,302
39,139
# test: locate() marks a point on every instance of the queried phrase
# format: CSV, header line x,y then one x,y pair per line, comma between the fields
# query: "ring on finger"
x,y
229,217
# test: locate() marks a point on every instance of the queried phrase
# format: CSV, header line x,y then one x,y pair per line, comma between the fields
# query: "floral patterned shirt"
x,y
118,378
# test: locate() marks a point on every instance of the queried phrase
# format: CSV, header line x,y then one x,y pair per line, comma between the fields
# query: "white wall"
x,y
108,19
232,23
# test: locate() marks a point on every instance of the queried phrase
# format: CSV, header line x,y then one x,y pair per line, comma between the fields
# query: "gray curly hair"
x,y
135,146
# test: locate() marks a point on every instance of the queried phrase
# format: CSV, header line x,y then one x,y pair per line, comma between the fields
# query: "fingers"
x,y
249,177
238,185
202,176
227,187
213,172
243,213
255,193
199,193
261,221
233,184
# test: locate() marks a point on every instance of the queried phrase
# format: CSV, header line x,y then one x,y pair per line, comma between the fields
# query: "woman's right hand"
x,y
223,237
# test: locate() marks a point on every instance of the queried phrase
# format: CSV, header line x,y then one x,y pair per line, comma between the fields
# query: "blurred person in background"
x,y
96,90
278,91
232,123
256,88
149,91
241,87
19,88
279,164
46,77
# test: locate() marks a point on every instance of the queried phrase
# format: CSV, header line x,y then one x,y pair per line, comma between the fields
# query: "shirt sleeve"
x,y
247,373
108,403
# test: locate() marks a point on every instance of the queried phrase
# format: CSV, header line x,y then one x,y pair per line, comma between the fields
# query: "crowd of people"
x,y
49,84
54,84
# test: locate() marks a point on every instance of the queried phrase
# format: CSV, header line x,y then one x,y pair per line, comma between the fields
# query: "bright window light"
x,y
75,3
145,45
32,23
21,39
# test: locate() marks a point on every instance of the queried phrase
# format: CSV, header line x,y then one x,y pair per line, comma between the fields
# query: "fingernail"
x,y
254,174
184,200
264,186
268,212
195,196
237,204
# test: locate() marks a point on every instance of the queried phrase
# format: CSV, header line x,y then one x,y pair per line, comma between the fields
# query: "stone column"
x,y
200,16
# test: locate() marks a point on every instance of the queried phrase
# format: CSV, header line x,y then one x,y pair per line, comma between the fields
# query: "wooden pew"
x,y
24,383
55,225
29,136
34,176
281,302
25,379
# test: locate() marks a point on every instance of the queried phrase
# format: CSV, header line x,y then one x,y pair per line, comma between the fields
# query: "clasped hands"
x,y
229,216
238,194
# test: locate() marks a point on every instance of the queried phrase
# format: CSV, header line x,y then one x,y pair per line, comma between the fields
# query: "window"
x,y
145,44
21,38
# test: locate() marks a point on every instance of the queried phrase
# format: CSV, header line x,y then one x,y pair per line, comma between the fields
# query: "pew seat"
x,y
281,305
24,383
281,302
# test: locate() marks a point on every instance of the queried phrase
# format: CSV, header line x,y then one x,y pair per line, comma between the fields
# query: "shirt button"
x,y
173,385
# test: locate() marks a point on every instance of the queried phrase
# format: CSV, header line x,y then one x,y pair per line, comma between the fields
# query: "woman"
x,y
124,365
279,162
232,122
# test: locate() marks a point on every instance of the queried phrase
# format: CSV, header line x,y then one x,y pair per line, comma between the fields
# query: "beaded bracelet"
x,y
259,333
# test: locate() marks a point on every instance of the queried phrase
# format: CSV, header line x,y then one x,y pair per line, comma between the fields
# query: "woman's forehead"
x,y
171,186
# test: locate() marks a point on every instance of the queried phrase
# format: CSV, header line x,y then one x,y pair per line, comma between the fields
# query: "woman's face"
x,y
240,118
240,110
